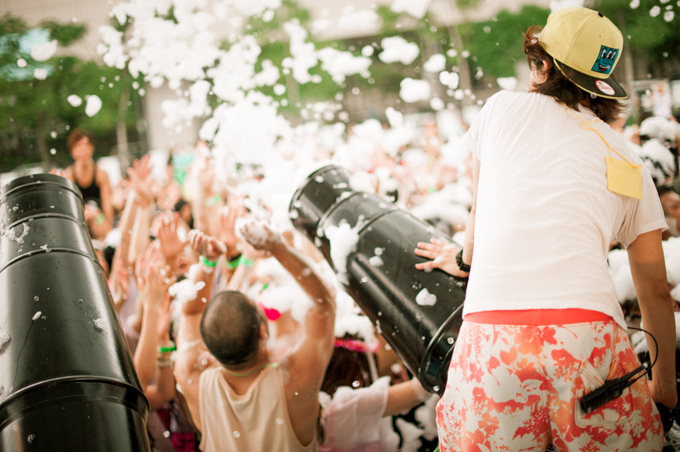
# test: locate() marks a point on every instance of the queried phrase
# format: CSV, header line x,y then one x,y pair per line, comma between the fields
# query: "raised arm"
x,y
262,237
154,285
106,194
404,396
228,215
308,359
192,356
138,200
127,220
648,267
206,206
135,235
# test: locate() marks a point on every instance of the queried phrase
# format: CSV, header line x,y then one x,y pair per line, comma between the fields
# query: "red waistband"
x,y
535,317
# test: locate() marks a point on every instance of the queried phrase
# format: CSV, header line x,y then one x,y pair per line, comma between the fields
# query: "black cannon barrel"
x,y
310,204
67,380
419,313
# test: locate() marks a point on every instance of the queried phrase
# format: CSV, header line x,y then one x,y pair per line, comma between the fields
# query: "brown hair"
x,y
559,86
76,136
346,368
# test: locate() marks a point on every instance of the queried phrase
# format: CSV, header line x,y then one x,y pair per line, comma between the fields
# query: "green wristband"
x,y
168,349
212,200
231,265
246,262
207,262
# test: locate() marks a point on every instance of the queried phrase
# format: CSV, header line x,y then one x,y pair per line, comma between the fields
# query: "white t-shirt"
x,y
544,215
352,418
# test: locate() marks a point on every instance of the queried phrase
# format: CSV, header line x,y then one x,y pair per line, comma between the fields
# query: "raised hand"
x,y
260,235
442,255
156,278
141,263
172,239
141,181
164,320
121,284
228,216
203,162
206,245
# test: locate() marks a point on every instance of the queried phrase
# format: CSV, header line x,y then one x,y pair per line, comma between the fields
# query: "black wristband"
x,y
233,258
462,265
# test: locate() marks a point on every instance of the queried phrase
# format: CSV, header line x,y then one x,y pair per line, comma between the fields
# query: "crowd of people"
x,y
233,322
244,339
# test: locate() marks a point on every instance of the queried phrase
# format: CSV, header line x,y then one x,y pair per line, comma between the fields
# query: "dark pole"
x,y
67,381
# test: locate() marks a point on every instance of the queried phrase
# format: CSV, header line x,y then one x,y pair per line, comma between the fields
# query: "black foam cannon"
x,y
419,313
67,380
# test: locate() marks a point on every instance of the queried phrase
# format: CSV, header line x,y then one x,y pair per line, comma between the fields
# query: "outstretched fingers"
x,y
428,253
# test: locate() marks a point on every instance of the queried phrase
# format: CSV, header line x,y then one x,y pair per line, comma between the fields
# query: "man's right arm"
x,y
306,363
310,356
319,323
192,356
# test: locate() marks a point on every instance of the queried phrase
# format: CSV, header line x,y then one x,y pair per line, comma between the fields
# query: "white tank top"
x,y
255,421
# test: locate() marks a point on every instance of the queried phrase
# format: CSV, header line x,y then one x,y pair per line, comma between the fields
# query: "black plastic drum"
x,y
419,313
322,189
67,380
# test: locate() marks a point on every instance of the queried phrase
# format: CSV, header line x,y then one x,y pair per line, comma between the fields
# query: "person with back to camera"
x,y
542,326
238,398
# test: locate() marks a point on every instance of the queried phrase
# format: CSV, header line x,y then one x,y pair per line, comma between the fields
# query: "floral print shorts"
x,y
516,388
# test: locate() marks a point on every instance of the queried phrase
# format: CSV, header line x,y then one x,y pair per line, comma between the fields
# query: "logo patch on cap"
x,y
605,60
605,87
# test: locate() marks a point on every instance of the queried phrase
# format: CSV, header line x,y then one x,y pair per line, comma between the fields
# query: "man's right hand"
x,y
260,235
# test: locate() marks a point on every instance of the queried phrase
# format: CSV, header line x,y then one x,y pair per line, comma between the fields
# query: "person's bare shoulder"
x,y
102,176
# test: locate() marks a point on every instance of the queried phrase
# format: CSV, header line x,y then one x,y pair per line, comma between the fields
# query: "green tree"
x,y
496,44
35,115
651,32
275,46
647,26
458,43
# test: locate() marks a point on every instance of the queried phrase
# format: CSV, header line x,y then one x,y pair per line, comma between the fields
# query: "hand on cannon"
x,y
442,255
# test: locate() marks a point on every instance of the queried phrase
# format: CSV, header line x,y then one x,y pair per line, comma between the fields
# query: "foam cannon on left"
x,y
67,380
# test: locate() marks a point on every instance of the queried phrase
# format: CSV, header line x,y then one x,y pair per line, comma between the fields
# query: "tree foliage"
x,y
35,114
275,47
493,45
496,44
646,28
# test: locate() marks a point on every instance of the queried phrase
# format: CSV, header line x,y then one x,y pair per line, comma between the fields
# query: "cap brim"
x,y
607,88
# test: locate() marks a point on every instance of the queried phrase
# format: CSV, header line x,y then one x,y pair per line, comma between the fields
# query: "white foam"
x,y
425,298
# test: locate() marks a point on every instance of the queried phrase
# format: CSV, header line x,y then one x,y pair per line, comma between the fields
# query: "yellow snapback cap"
x,y
585,46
